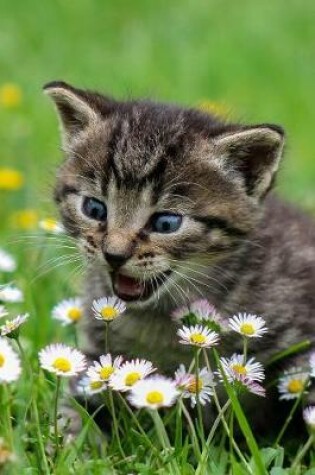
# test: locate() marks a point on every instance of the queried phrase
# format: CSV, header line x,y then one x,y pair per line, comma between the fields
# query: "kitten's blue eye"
x,y
94,209
166,223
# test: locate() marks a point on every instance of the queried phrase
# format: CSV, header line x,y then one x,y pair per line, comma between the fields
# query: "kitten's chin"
x,y
137,291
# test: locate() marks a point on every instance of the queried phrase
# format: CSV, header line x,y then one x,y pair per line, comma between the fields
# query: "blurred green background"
x,y
254,58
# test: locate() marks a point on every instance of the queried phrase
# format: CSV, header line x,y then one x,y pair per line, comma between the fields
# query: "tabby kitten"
x,y
170,204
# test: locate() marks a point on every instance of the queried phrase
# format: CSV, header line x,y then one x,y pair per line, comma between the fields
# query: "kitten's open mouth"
x,y
130,289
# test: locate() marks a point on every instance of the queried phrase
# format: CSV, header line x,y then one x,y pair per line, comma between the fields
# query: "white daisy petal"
x,y
7,262
10,366
68,311
11,327
309,416
312,364
248,325
10,294
88,386
108,308
153,392
62,360
129,373
51,225
198,336
3,311
293,383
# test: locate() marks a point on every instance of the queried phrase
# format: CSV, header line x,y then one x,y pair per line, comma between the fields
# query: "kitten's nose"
x,y
115,260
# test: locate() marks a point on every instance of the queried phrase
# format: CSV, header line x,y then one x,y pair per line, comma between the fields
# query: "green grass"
x,y
256,58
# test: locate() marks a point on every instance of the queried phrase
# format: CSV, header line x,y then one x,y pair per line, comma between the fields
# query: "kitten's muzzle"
x,y
131,289
116,260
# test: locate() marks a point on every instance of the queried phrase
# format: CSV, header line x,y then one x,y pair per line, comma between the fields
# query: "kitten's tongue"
x,y
128,286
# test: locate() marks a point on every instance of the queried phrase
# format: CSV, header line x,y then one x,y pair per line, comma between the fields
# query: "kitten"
x,y
170,204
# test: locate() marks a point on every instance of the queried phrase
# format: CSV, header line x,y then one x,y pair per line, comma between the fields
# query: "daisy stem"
x,y
199,408
7,413
194,437
163,438
290,416
300,455
223,420
115,424
40,437
245,347
106,338
75,337
56,415
205,451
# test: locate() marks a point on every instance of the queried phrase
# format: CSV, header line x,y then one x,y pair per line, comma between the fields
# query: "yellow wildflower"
x,y
10,95
10,179
25,219
216,108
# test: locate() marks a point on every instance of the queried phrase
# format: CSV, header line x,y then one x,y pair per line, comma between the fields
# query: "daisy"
x,y
199,310
10,366
236,370
68,311
105,368
11,294
198,336
51,225
309,416
62,360
293,383
89,386
11,328
108,308
153,393
248,325
188,385
7,262
253,387
130,373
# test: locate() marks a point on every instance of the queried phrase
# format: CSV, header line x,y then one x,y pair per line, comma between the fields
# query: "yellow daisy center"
x,y
295,386
240,369
132,378
74,313
155,397
106,372
195,386
109,313
247,329
2,360
197,338
96,384
62,364
49,224
10,179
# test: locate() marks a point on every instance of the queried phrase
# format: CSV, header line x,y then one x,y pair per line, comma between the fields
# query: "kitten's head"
x,y
150,190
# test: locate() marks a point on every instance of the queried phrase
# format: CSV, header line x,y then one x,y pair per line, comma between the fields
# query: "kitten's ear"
x,y
255,152
75,107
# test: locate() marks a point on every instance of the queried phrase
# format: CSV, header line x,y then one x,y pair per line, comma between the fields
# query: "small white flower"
x,y
248,325
10,294
187,384
309,416
7,262
253,387
51,225
198,336
153,392
88,386
11,327
236,370
62,360
130,373
201,309
68,311
292,383
108,308
3,311
10,366
104,369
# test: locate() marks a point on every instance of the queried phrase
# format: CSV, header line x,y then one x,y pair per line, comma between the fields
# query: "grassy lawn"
x,y
253,59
